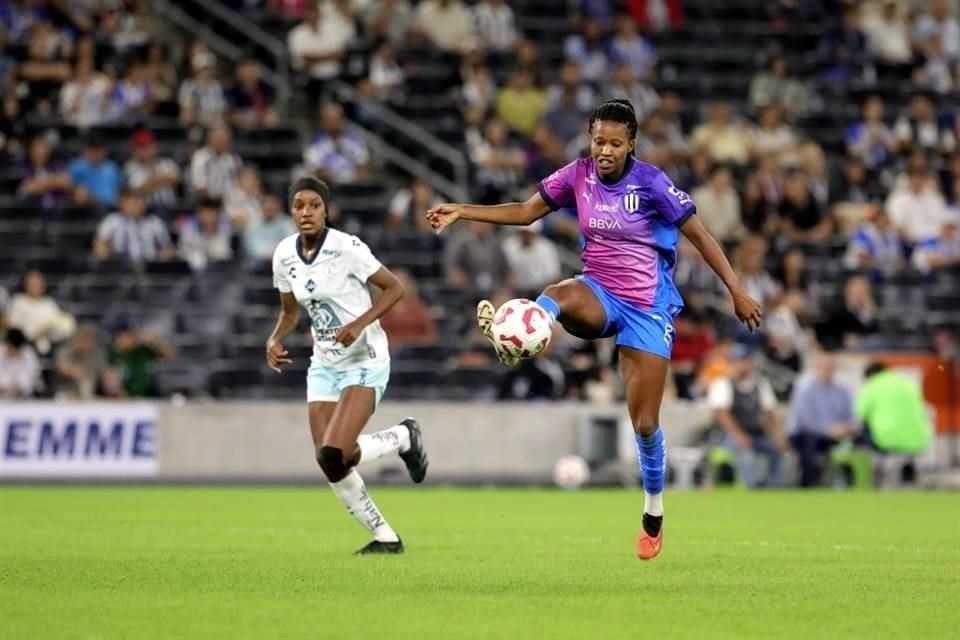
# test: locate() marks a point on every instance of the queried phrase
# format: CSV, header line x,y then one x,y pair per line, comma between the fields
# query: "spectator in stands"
x,y
201,97
155,177
663,146
853,323
532,258
409,322
759,216
251,99
132,353
920,130
938,252
385,76
724,139
776,86
802,218
342,15
214,167
695,278
8,65
205,236
744,406
540,378
786,338
131,233
843,49
748,262
390,19
495,24
871,140
936,71
589,49
244,203
19,367
43,180
262,236
813,162
479,89
875,245
624,84
629,47
317,47
42,74
938,22
38,315
521,103
130,97
408,204
446,24
893,412
338,152
656,15
792,275
821,416
500,163
474,258
851,194
720,204
773,136
85,99
160,74
545,153
124,25
79,365
887,33
94,176
693,339
919,211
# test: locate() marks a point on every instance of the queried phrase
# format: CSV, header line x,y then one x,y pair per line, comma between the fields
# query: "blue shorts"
x,y
650,331
326,385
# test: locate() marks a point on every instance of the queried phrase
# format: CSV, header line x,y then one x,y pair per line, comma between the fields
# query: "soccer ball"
x,y
571,472
521,328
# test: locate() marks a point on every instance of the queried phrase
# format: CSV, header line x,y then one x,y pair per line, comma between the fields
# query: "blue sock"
x,y
549,305
653,457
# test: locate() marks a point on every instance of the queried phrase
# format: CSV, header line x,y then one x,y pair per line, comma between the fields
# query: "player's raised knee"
x,y
332,462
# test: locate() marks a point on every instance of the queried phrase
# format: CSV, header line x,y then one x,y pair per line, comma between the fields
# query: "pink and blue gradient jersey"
x,y
630,228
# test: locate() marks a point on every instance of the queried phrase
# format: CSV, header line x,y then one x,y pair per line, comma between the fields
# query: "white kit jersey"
x,y
333,289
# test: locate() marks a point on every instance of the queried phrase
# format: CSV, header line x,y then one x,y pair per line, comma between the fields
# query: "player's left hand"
x,y
747,309
349,333
443,215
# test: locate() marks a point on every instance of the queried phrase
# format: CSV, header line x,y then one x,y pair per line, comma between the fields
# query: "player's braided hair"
x,y
309,183
616,110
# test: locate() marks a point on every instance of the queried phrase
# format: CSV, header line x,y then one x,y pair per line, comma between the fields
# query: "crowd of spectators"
x,y
765,187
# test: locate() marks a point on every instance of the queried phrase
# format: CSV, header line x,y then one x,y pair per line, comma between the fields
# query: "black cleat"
x,y
652,524
416,456
376,546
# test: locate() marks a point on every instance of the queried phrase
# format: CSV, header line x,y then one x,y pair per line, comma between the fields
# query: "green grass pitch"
x,y
99,563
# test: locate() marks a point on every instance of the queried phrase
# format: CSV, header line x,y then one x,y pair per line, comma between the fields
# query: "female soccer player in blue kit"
x,y
630,214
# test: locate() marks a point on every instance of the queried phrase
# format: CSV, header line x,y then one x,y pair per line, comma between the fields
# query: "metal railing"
x,y
277,76
412,131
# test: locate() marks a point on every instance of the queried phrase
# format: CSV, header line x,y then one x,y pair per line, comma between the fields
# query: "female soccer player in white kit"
x,y
327,271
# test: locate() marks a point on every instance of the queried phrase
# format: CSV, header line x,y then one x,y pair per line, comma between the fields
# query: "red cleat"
x,y
647,547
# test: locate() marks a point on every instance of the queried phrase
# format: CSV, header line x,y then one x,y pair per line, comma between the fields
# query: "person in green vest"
x,y
893,412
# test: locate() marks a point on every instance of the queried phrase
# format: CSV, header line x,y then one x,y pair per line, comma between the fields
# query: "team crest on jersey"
x,y
631,202
311,285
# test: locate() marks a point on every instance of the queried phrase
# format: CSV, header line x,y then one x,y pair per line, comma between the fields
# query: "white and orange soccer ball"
x,y
521,328
571,472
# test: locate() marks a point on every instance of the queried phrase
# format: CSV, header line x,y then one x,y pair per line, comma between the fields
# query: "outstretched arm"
x,y
514,213
746,308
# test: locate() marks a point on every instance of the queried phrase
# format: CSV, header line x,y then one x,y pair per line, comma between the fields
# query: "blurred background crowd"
x,y
144,179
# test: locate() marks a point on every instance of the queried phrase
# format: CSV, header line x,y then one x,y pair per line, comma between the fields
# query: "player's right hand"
x,y
443,215
276,355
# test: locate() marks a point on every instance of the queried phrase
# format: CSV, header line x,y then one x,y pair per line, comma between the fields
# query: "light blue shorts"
x,y
326,385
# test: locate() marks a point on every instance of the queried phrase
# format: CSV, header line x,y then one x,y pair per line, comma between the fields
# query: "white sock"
x,y
353,494
653,503
376,445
